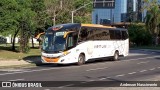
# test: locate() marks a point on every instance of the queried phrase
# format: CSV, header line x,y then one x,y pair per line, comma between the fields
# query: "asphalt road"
x,y
138,66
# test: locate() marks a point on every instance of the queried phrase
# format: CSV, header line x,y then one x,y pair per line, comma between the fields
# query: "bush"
x,y
139,36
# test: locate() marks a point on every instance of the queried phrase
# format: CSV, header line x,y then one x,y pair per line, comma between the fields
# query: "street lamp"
x,y
79,9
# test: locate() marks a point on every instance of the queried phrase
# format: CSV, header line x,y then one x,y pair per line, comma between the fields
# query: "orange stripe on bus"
x,y
50,59
97,25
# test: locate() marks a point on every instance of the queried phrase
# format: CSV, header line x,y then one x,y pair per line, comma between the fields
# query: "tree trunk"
x,y
32,42
14,37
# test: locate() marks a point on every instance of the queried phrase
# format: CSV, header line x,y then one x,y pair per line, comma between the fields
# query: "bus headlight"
x,y
64,53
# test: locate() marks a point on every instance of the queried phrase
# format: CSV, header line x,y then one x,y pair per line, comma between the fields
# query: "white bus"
x,y
78,43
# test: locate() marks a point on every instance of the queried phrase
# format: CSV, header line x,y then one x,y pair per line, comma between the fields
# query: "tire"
x,y
81,59
116,56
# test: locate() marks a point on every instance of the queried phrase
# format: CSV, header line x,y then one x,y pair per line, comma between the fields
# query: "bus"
x,y
78,43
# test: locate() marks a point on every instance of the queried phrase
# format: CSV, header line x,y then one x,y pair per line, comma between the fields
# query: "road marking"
x,y
102,79
11,73
91,80
47,89
47,69
96,69
13,70
143,71
135,54
88,81
132,73
143,62
120,75
29,71
66,85
158,67
108,77
152,69
16,80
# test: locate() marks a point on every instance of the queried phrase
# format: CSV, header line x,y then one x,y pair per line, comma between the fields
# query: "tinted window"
x,y
83,34
97,34
124,35
112,36
117,34
72,40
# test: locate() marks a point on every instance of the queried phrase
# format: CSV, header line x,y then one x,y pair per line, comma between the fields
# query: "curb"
x,y
152,50
18,66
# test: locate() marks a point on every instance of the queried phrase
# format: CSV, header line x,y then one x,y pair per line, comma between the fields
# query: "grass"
x,y
7,54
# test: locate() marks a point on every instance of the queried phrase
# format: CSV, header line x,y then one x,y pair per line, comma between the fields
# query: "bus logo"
x,y
6,84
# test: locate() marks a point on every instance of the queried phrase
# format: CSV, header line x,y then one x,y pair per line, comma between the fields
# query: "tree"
x,y
59,11
138,34
27,23
8,19
38,7
152,18
84,14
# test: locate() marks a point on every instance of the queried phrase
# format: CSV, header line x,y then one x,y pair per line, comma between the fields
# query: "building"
x,y
124,11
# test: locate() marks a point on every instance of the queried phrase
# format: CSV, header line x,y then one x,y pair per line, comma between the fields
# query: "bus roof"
x,y
64,27
96,25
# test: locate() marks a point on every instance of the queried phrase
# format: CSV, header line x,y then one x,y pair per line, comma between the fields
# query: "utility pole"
x,y
79,9
61,4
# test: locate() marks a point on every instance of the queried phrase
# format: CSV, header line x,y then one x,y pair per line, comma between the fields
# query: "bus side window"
x,y
112,35
106,35
72,40
83,35
118,34
124,35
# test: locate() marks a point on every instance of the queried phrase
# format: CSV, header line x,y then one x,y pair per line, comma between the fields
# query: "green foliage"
x,y
139,35
84,14
8,16
152,19
60,10
23,18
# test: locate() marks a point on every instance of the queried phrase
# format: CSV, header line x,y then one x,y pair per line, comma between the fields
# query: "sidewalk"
x,y
11,63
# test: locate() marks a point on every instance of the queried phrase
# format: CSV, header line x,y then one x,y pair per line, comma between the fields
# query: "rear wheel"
x,y
116,56
81,59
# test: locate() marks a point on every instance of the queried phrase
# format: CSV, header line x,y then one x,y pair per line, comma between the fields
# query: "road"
x,y
138,66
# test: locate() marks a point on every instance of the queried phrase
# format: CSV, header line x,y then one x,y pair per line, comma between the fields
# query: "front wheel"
x,y
116,56
81,59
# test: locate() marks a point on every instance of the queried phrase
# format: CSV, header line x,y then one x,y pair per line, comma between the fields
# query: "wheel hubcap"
x,y
116,56
81,59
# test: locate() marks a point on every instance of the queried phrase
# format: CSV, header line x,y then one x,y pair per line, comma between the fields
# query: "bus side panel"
x,y
126,48
86,48
107,48
102,48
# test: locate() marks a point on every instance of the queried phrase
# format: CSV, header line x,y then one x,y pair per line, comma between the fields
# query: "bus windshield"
x,y
54,42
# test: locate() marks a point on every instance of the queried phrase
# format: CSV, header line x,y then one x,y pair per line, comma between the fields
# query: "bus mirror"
x,y
65,34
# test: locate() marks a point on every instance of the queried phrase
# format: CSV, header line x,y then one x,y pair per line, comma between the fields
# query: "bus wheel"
x,y
81,59
116,56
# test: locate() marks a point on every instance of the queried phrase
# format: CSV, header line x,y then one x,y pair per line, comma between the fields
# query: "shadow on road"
x,y
158,58
36,59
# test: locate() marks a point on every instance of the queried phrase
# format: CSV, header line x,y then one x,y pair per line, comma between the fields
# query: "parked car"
x,y
3,40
